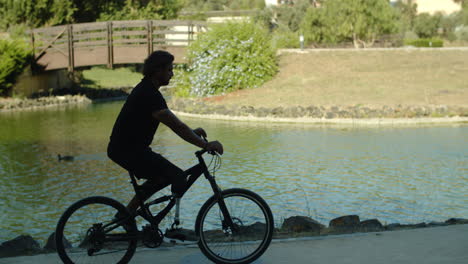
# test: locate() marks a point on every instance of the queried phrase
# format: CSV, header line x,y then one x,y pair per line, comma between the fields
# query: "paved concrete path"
x,y
441,245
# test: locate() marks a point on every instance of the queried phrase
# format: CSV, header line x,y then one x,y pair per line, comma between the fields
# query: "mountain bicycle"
x,y
233,226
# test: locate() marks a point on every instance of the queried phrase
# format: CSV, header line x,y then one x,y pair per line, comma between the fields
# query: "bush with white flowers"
x,y
229,57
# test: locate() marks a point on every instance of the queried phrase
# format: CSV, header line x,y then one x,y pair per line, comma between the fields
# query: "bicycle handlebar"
x,y
203,151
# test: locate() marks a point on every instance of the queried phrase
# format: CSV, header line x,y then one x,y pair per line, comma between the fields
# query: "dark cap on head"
x,y
156,60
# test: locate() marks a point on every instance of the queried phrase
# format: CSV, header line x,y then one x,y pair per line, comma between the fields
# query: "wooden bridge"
x,y
111,43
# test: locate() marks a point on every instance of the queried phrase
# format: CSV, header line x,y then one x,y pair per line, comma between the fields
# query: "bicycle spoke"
x,y
247,238
88,234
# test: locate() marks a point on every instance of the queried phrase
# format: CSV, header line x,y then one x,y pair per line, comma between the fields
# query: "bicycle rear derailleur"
x,y
152,236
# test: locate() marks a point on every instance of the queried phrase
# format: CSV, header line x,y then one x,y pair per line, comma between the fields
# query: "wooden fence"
x,y
110,43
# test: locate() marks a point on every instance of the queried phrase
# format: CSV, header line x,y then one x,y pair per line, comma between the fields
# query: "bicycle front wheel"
x,y
242,243
96,230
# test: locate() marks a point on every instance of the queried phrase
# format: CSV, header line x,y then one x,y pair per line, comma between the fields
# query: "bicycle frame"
x,y
192,175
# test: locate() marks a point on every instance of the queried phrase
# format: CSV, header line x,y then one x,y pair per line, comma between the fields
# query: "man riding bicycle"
x,y
137,123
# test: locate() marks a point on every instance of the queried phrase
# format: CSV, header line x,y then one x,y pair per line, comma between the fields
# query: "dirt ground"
x,y
373,78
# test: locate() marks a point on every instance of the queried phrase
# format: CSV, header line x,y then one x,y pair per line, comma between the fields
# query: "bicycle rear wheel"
x,y
90,232
252,232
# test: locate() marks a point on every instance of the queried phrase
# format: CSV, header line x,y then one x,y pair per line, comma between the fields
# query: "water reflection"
x,y
395,174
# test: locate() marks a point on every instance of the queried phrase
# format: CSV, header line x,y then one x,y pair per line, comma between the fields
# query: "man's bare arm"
x,y
168,118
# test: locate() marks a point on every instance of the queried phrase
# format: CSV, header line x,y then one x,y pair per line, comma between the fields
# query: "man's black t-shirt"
x,y
135,126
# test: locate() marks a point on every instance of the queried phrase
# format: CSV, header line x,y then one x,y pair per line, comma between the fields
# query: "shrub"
x,y
426,25
231,56
284,38
181,81
425,43
14,56
462,33
291,16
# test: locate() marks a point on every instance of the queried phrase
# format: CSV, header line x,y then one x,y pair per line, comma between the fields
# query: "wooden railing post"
x,y
190,32
110,46
71,51
150,36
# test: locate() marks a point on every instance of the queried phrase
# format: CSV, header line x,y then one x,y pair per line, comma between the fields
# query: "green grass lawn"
x,y
101,77
374,78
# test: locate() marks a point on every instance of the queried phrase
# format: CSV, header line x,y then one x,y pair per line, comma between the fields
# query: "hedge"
x,y
14,57
425,43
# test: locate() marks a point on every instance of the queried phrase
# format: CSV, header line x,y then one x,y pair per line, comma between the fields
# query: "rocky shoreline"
x,y
200,107
15,104
63,97
292,227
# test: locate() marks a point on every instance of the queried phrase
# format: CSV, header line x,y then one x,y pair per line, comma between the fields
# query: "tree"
x,y
464,3
32,13
291,16
360,21
426,26
211,5
142,9
408,11
314,25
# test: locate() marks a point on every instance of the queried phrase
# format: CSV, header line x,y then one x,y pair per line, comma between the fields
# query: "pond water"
x,y
395,174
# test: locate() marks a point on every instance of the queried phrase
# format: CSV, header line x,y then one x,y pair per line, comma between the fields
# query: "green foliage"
x,y
14,56
30,12
462,17
141,9
360,21
464,3
231,56
448,24
461,33
19,32
315,26
284,38
408,11
102,77
291,15
216,5
204,5
37,13
426,25
425,43
181,81
247,4
62,12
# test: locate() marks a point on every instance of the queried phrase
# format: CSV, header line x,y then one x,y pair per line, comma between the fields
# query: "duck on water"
x,y
65,158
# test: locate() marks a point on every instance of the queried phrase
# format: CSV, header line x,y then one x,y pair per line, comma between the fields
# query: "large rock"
x,y
347,221
22,245
50,245
181,234
371,225
301,224
456,221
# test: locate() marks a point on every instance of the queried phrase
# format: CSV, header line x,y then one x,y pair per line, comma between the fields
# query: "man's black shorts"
x,y
157,170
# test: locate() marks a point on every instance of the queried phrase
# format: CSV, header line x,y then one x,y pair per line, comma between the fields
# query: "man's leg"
x,y
149,187
159,173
